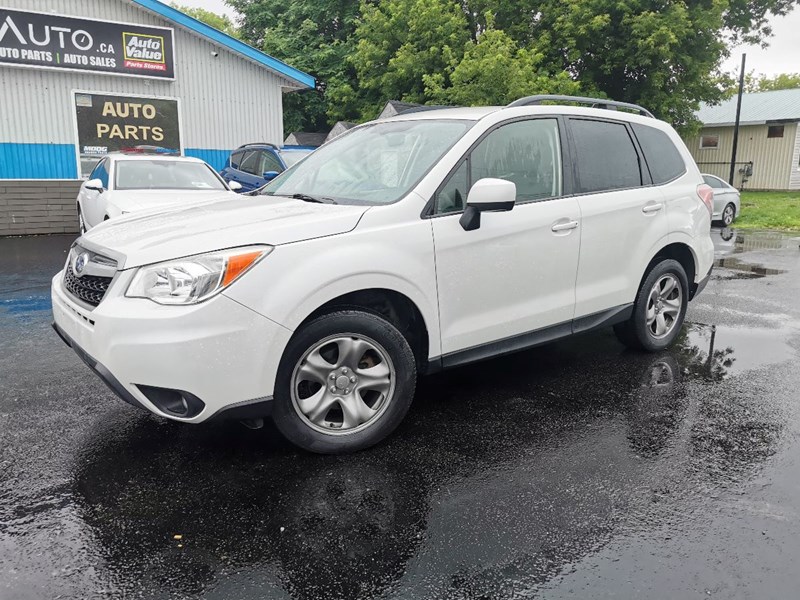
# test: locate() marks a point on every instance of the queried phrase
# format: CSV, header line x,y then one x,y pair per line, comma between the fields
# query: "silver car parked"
x,y
726,200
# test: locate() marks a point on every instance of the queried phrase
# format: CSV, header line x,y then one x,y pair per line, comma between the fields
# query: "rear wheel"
x,y
659,309
728,214
344,383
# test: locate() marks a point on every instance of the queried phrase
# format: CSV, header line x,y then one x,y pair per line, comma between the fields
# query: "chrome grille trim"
x,y
91,285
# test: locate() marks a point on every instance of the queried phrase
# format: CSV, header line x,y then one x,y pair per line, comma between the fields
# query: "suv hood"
x,y
152,236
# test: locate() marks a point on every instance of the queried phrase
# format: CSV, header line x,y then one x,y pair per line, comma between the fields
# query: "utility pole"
x,y
738,115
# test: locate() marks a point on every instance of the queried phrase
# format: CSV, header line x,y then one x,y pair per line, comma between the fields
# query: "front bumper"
x,y
218,353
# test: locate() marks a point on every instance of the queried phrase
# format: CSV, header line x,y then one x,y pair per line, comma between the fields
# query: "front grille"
x,y
88,288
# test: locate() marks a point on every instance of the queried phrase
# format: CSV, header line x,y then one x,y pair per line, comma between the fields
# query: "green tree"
x,y
314,36
495,71
221,22
663,55
783,81
398,43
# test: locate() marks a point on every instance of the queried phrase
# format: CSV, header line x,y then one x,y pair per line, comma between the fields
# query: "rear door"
x,y
623,216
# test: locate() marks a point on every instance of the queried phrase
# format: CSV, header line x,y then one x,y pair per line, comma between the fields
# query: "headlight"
x,y
195,278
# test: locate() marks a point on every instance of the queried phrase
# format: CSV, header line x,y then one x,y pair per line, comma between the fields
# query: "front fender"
x,y
296,279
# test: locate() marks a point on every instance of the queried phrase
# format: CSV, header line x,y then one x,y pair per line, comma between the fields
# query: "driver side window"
x,y
100,172
527,153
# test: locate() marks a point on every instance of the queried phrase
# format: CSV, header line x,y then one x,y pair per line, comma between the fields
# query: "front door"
x,y
515,274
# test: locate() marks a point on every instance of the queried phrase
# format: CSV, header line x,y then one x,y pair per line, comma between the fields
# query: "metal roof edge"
x,y
732,123
229,42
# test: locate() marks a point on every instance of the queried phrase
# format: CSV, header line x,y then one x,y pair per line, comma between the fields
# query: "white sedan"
x,y
727,201
124,183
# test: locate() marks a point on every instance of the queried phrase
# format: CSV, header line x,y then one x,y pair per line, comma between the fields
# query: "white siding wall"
x,y
225,101
794,178
772,157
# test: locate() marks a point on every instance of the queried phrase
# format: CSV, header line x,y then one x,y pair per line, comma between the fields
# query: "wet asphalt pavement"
x,y
578,469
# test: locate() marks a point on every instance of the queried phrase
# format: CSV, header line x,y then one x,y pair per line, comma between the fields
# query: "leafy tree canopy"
x,y
221,22
664,55
783,81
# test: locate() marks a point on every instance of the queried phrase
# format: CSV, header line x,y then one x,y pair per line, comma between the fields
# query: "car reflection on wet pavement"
x,y
575,469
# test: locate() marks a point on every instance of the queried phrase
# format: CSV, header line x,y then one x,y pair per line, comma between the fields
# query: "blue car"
x,y
253,165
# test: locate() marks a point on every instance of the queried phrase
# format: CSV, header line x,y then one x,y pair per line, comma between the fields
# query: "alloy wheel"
x,y
664,306
727,215
343,384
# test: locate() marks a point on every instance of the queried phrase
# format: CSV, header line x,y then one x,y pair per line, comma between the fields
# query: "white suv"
x,y
427,241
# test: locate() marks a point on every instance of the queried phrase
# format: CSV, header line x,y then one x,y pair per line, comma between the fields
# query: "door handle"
x,y
564,226
652,208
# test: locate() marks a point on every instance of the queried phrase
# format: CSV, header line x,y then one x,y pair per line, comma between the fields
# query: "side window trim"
x,y
567,179
644,168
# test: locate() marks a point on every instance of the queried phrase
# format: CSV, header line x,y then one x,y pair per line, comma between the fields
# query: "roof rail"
x,y
593,102
259,144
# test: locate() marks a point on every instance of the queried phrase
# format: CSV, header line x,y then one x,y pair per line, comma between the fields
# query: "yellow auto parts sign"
x,y
112,123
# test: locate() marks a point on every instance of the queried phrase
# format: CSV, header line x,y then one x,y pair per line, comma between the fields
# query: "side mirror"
x,y
234,185
270,175
95,184
487,195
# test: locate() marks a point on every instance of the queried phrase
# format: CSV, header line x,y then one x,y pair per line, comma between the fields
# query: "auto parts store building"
x,y
79,78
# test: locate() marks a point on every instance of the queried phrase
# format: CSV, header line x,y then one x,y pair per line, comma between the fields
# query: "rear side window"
x,y
713,182
606,157
271,163
660,154
251,163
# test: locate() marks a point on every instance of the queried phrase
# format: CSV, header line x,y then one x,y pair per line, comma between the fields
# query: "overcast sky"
x,y
782,56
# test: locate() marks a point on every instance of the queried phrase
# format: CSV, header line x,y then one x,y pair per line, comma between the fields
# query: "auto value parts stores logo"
x,y
32,39
144,51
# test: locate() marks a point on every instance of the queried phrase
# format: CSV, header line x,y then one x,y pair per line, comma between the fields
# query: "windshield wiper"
x,y
309,198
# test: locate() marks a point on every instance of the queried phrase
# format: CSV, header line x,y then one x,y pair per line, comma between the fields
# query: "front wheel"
x,y
344,383
659,309
81,221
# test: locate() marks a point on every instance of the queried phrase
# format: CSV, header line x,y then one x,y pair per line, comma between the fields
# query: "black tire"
x,y
301,432
635,332
728,216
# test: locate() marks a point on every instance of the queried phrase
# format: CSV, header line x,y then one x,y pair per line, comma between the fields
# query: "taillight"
x,y
706,194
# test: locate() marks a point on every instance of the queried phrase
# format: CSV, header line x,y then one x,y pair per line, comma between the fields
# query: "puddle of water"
x,y
718,352
743,270
26,304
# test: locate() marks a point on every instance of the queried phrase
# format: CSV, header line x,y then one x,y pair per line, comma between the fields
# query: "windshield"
x,y
160,174
292,157
375,164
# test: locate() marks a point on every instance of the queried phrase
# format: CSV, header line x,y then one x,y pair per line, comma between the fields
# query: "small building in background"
x,y
768,154
305,139
339,129
395,107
